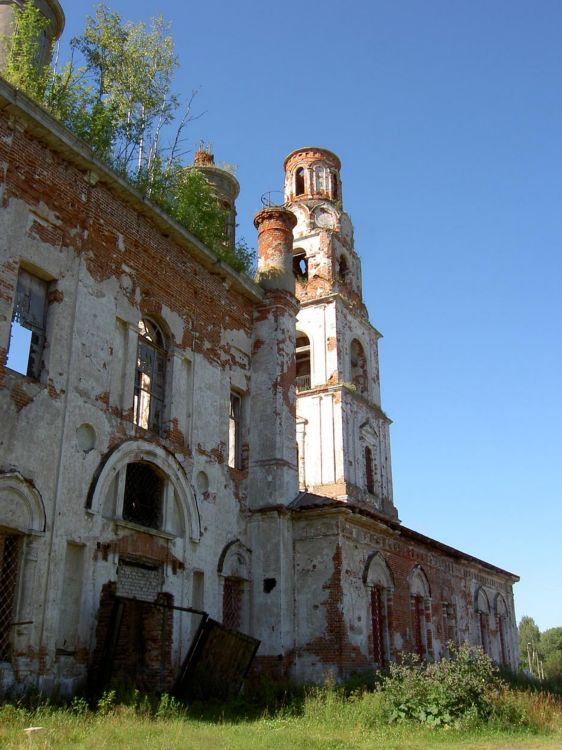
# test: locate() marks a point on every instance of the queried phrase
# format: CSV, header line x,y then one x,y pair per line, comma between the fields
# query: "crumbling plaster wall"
x,y
332,552
109,265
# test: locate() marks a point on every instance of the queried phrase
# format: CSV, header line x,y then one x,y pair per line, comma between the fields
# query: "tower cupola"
x,y
50,9
312,173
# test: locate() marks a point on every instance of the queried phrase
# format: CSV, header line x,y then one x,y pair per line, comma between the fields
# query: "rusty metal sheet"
x,y
217,662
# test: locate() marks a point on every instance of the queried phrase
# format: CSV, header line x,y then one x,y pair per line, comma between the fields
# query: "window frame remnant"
x,y
150,376
29,315
143,496
235,431
300,265
303,362
343,269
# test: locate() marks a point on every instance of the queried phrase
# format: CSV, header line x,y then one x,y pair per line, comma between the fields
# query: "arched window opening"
x,y
143,498
342,269
378,625
420,605
303,362
9,557
299,181
369,473
358,366
335,191
150,375
300,265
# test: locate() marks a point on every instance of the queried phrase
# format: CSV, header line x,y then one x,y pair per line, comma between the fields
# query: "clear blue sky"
x,y
447,117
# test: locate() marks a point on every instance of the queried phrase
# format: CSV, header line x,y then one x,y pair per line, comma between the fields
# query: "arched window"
x,y
303,362
299,181
143,498
449,625
369,473
235,569
342,269
420,607
358,366
150,375
300,265
378,579
482,608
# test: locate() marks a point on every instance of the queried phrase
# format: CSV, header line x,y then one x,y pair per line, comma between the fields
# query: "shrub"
x,y
462,687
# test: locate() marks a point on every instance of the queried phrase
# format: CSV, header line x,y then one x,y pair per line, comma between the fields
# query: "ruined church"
x,y
181,444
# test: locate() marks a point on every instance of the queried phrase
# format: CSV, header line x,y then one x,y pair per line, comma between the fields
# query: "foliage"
x,y
459,688
116,93
551,650
528,633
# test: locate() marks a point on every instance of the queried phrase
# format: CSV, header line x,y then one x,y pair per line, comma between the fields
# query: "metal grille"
x,y
142,503
232,603
9,548
377,618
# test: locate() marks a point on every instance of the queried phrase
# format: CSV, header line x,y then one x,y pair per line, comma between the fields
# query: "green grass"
x,y
324,718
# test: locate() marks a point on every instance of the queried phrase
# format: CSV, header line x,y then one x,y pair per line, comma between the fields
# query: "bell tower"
x,y
342,431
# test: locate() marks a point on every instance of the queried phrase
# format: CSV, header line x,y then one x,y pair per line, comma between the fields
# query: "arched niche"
x,y
481,601
21,506
376,572
500,606
180,511
419,585
235,561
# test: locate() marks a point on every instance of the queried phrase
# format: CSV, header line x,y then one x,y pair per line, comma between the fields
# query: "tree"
x,y
528,633
551,650
115,92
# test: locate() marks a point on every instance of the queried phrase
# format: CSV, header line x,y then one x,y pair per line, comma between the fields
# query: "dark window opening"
x,y
378,625
303,362
334,186
232,597
269,584
369,473
342,269
358,366
300,265
144,490
235,432
9,555
299,181
150,375
27,331
449,625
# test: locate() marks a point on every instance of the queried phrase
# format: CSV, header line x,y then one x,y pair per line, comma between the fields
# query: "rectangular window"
x,y
27,332
234,432
9,556
377,623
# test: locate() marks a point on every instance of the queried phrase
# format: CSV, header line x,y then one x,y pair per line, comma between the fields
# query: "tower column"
x,y
273,459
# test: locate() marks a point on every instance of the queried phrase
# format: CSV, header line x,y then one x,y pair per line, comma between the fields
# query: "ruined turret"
x,y
52,11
